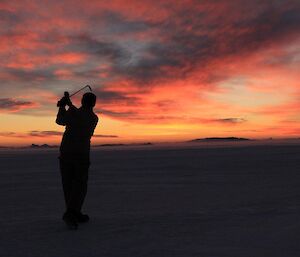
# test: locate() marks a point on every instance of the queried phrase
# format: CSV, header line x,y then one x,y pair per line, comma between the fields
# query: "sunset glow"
x,y
162,70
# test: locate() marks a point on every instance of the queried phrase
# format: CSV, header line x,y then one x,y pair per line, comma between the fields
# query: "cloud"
x,y
115,114
164,64
117,23
9,17
10,104
11,134
109,96
87,44
106,136
230,120
30,134
45,134
31,75
187,38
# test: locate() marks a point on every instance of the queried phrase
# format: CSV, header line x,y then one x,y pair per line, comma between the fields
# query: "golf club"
x,y
66,94
87,86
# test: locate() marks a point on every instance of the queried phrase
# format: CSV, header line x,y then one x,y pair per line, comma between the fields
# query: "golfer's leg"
x,y
79,186
83,185
66,176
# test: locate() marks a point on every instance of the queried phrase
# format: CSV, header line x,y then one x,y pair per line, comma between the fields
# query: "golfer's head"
x,y
88,100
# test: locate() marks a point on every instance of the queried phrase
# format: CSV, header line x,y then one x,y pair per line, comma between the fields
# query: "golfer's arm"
x,y
94,126
61,118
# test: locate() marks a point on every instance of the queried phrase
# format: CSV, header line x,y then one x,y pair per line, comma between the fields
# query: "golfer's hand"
x,y
61,102
67,99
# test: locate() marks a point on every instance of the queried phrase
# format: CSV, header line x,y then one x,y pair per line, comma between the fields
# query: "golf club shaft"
x,y
80,90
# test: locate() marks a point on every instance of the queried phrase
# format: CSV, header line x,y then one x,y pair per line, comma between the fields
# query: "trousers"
x,y
74,175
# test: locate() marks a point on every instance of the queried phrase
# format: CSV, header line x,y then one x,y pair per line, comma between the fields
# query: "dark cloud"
x,y
165,104
117,23
8,16
33,75
87,44
12,104
47,133
108,97
270,26
44,133
8,20
116,114
230,120
188,38
106,136
156,62
87,73
192,39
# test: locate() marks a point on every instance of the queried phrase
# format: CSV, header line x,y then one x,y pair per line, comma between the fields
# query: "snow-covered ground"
x,y
197,202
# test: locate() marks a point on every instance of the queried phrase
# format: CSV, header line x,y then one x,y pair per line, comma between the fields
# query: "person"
x,y
74,158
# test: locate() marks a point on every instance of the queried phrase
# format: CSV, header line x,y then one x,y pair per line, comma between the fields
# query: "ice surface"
x,y
215,202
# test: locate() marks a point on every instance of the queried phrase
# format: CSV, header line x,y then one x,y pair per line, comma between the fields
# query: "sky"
x,y
163,71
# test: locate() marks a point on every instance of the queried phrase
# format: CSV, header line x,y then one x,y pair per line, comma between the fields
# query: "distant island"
x,y
35,146
32,146
43,146
220,139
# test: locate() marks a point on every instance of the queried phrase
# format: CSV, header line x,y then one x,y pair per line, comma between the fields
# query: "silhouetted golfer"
x,y
75,154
